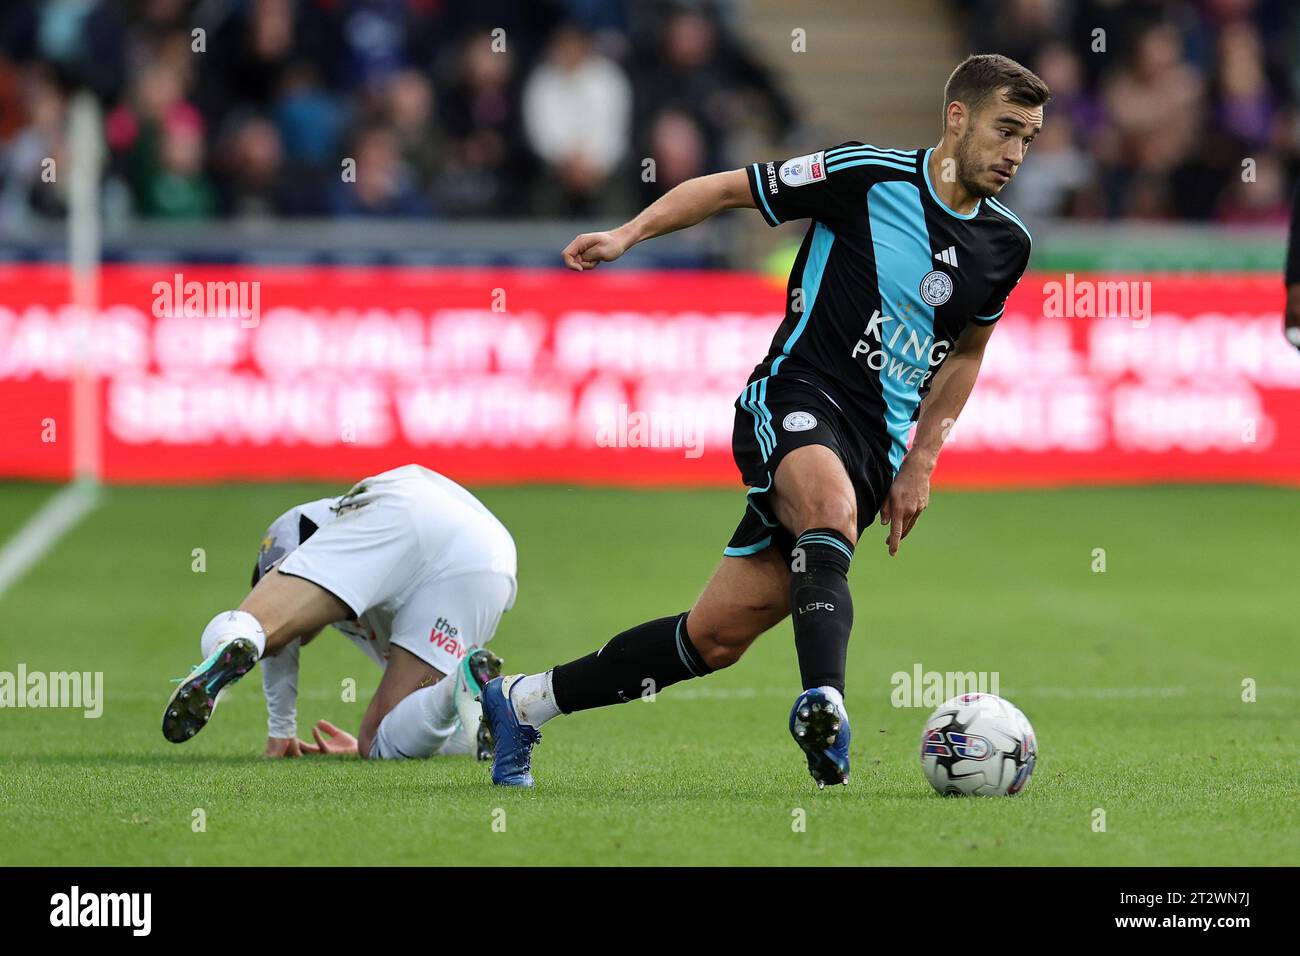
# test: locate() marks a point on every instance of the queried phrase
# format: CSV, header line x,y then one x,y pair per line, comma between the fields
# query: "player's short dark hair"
x,y
978,77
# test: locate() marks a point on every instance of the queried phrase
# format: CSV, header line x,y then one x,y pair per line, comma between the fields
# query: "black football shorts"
x,y
774,416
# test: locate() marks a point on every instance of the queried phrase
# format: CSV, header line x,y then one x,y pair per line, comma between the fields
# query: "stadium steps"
x,y
873,69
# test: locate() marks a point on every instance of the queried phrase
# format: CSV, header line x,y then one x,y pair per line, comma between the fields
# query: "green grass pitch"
x,y
1133,679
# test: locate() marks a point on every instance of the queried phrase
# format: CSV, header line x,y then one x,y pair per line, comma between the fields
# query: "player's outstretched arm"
x,y
280,687
684,205
909,495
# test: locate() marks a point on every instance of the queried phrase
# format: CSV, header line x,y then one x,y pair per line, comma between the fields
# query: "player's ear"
x,y
957,117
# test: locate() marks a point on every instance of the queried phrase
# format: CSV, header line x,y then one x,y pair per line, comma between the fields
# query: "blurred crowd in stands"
x,y
1160,110
518,108
448,108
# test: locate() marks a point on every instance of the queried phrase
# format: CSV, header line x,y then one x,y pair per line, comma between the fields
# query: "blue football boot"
x,y
821,729
512,764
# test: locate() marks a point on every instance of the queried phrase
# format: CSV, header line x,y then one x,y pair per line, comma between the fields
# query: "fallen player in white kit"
x,y
415,571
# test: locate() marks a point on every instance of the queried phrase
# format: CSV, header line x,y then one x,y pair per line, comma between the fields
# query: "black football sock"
x,y
646,658
821,606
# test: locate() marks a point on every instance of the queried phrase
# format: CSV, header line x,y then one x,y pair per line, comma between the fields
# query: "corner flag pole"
x,y
60,513
86,156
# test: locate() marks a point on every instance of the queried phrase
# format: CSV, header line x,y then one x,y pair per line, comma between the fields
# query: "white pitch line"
x,y
44,529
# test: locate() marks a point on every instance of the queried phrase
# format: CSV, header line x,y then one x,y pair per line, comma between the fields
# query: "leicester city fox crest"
x,y
936,287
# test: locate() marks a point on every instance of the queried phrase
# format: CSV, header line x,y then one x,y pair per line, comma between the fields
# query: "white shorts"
x,y
447,619
422,565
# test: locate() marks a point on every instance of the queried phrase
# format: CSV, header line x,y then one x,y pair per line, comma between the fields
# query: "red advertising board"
x,y
620,377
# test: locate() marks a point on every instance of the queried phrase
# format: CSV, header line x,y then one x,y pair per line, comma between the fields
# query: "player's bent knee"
x,y
833,512
718,656
720,645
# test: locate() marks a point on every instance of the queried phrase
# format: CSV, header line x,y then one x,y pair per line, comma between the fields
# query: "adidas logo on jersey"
x,y
948,257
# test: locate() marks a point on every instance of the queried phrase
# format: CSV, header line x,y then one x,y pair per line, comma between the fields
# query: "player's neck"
x,y
951,192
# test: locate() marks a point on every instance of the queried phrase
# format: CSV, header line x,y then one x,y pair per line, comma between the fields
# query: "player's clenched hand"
x,y
334,741
591,249
908,497
284,747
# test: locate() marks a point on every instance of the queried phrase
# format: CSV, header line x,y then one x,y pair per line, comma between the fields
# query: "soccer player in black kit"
x,y
896,289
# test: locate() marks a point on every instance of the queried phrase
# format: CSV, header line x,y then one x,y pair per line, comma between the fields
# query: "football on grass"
x,y
978,745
